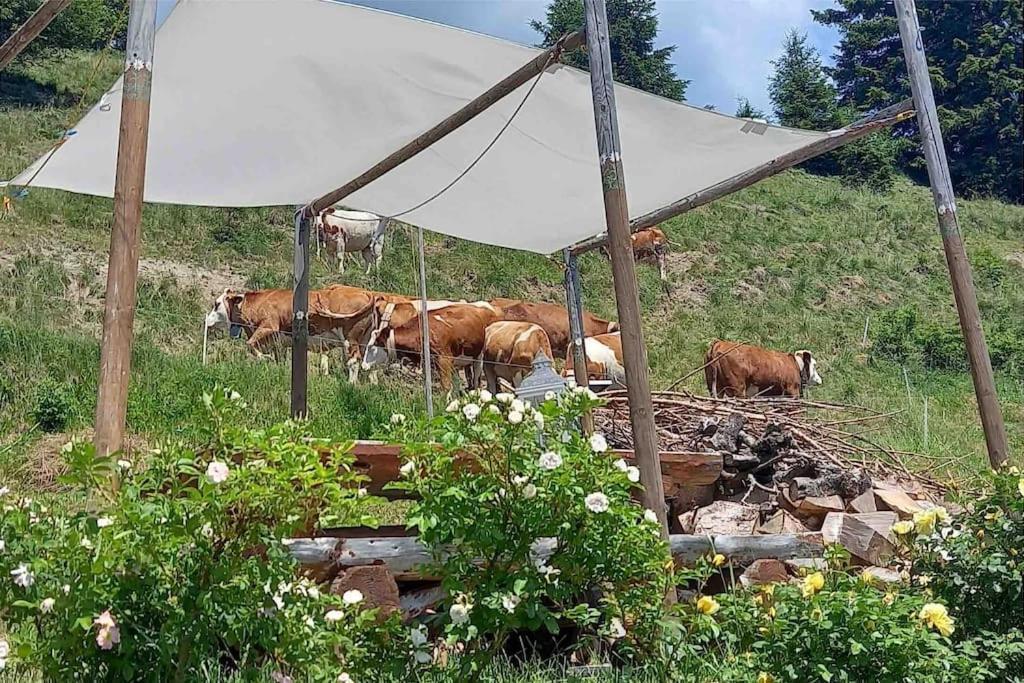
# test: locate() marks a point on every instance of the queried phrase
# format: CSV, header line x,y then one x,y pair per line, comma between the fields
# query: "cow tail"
x,y
711,371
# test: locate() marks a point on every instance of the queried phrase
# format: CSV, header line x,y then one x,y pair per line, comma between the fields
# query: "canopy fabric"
x,y
277,103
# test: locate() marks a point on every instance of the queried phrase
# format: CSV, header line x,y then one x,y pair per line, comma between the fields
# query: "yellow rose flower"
x,y
718,560
889,599
813,583
925,520
1020,486
902,528
924,580
707,605
867,578
936,616
765,677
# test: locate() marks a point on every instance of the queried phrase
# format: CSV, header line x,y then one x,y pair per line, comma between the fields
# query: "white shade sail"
x,y
276,103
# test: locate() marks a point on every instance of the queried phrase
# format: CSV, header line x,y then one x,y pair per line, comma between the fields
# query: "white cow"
x,y
344,232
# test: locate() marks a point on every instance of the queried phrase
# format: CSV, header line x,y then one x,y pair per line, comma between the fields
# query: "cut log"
x,y
721,517
897,501
408,560
811,510
865,502
844,484
782,522
866,537
764,571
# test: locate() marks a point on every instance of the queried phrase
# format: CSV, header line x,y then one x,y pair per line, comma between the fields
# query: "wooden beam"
x,y
949,227
837,138
574,305
123,264
428,386
408,560
28,31
627,300
300,317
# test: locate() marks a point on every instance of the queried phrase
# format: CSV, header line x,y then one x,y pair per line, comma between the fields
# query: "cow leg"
x,y
258,340
661,265
367,259
491,376
445,368
325,364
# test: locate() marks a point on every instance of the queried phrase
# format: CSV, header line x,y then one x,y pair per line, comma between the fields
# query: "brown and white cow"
x,y
509,349
649,243
348,232
456,333
742,370
554,320
604,358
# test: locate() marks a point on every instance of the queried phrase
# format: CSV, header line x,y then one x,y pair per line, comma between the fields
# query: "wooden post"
x,y
428,388
300,316
837,138
638,385
123,264
574,305
28,31
949,228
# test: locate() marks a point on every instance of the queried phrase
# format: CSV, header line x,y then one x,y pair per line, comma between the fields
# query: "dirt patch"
x,y
43,464
1016,259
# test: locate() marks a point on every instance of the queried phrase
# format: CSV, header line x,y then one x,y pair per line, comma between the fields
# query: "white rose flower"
x,y
550,460
518,406
23,576
313,593
310,623
360,492
510,602
565,437
278,601
520,479
3,492
550,573
104,522
633,474
452,407
345,678
459,614
86,543
5,649
418,636
515,417
598,443
3,545
217,472
650,516
504,397
334,616
124,464
234,395
621,465
597,502
615,629
397,419
65,589
485,396
46,606
529,491
352,597
549,395
407,468
471,411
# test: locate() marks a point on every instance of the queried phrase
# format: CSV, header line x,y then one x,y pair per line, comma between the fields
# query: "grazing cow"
x,y
741,370
265,316
604,358
649,243
351,231
554,320
456,333
509,350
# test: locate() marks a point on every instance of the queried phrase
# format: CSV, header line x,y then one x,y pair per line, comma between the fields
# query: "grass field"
x,y
795,262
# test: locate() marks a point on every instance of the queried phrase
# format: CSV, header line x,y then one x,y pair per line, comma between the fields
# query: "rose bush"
x,y
185,566
533,526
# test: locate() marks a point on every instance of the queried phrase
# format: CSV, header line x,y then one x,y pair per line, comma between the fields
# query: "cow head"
x,y
808,368
380,345
225,312
613,327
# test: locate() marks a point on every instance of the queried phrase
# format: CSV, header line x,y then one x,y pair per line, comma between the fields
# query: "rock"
x,y
865,502
727,436
805,565
866,536
782,522
883,575
764,571
897,501
721,517
707,426
844,484
374,582
811,510
744,460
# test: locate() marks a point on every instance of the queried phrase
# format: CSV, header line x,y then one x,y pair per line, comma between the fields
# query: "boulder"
x,y
866,536
896,500
721,517
374,582
764,571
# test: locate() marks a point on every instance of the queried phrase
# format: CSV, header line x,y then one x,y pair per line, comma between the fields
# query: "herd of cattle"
x,y
493,340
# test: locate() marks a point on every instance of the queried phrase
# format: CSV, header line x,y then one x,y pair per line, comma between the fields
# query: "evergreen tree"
x,y
745,110
84,24
975,59
800,92
633,26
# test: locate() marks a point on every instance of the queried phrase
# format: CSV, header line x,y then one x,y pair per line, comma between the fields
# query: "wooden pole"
x,y
638,386
428,388
574,305
300,316
123,264
837,138
949,228
28,31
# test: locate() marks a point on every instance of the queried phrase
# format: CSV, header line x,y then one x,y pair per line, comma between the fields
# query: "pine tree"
x,y
745,110
975,59
84,24
633,26
800,92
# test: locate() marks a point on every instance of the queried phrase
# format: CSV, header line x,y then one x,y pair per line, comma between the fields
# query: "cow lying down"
x,y
734,369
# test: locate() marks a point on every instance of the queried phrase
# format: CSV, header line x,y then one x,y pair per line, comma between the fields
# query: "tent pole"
x,y
855,131
28,31
123,263
574,305
634,352
949,228
300,317
428,388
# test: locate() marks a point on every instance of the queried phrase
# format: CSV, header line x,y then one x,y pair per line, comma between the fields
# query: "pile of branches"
x,y
767,441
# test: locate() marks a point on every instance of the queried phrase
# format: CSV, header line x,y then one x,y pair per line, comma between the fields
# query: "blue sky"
x,y
723,46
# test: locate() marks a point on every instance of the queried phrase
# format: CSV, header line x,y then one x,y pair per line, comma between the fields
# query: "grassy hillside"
x,y
795,262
